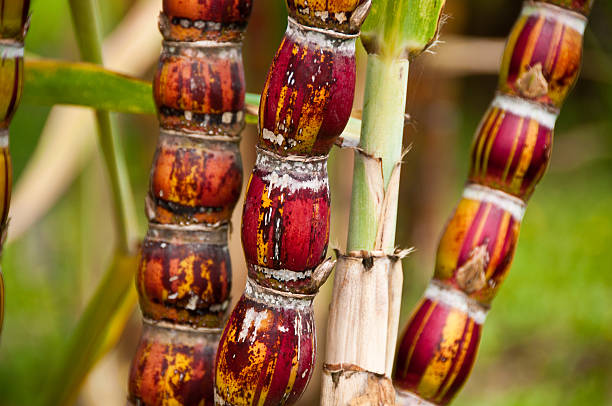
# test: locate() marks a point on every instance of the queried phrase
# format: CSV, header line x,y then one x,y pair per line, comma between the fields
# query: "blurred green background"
x,y
548,339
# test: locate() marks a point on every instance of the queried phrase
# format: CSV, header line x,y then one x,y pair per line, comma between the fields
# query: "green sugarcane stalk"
x,y
364,313
382,128
394,33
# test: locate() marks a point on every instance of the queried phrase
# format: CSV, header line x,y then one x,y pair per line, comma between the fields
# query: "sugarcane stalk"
x,y
14,22
267,352
364,313
382,129
184,274
509,155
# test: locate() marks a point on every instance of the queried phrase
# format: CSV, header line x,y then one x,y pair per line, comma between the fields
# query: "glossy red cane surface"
x,y
267,352
308,95
510,153
184,282
285,223
173,368
200,89
437,352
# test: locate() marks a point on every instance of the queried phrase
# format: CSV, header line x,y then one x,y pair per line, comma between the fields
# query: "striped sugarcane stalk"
x,y
184,274
14,22
509,156
267,351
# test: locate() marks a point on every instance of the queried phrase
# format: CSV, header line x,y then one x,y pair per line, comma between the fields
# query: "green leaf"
x,y
50,82
252,98
399,28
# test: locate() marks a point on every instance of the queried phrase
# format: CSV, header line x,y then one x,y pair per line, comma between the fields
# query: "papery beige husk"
x,y
366,298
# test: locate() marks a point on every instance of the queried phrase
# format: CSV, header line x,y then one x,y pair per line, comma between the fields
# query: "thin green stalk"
x,y
382,128
394,31
85,17
114,158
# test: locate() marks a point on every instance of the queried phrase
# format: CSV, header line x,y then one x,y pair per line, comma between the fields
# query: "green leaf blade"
x,y
50,82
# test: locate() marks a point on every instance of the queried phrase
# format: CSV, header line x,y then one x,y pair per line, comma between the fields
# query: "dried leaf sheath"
x,y
14,20
267,351
509,156
184,275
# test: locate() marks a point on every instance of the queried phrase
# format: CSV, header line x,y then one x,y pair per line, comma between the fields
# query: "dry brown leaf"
x,y
471,275
533,84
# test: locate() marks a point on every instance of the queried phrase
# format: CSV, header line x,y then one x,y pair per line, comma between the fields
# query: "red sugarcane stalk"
x,y
184,274
14,23
267,352
509,156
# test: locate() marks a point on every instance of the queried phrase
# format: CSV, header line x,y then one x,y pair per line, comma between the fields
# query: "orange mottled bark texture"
x,y
184,275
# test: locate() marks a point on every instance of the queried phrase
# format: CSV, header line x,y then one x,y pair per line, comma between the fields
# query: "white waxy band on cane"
x,y
4,138
172,46
339,43
276,298
171,327
511,204
525,108
11,50
283,275
201,138
404,398
457,300
569,18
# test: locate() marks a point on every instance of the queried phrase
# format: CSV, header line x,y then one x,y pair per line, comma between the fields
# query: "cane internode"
x,y
267,351
13,27
527,133
308,95
285,228
200,87
184,275
194,180
509,156
543,54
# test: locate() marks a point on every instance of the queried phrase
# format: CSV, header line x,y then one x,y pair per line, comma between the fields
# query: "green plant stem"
x,y
382,129
87,25
86,21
